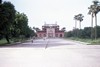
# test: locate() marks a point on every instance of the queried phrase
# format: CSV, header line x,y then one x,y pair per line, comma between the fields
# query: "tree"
x,y
87,32
98,31
80,18
15,31
96,10
0,1
7,16
20,25
36,29
69,34
75,30
93,10
63,29
76,18
91,13
30,32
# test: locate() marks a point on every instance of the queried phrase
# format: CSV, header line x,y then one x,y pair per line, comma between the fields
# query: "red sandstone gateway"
x,y
50,31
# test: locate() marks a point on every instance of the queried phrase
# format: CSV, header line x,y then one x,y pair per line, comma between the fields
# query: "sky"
x,y
61,12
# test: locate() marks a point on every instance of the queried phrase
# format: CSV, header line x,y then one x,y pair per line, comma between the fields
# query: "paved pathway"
x,y
50,53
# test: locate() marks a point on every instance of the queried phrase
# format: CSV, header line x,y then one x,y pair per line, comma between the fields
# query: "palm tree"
x,y
96,10
93,10
80,18
76,18
91,13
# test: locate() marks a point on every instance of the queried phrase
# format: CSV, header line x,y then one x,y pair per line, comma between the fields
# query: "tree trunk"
x,y
92,26
7,38
80,24
95,26
76,28
75,24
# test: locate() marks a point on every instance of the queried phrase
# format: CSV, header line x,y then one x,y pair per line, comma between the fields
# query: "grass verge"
x,y
3,42
90,41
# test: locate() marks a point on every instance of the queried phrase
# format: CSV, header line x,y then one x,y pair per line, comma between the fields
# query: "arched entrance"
x,y
60,35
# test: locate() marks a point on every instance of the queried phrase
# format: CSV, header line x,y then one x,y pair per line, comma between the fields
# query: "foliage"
x,y
93,11
83,33
36,29
86,40
0,1
63,29
13,24
2,42
1,37
80,17
7,16
20,26
30,32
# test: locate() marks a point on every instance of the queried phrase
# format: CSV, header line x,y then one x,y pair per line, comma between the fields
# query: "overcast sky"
x,y
52,11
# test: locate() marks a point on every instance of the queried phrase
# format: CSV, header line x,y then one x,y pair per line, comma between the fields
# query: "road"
x,y
50,53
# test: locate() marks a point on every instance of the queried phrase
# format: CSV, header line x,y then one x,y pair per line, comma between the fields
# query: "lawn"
x,y
92,42
3,41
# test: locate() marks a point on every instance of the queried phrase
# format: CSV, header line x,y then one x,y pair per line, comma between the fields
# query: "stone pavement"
x,y
58,53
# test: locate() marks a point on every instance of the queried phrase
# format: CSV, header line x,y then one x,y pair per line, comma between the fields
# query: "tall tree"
x,y
75,31
21,24
93,10
7,16
91,13
96,10
76,18
80,18
20,27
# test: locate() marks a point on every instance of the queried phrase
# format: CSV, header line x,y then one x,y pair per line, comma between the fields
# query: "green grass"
x,y
92,42
96,42
18,39
3,41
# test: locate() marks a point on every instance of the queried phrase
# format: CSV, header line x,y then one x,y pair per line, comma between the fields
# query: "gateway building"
x,y
50,31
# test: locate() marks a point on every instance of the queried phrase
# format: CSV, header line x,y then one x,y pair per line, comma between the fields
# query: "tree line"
x,y
87,32
83,33
13,24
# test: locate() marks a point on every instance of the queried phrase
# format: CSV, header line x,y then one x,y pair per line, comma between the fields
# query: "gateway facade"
x,y
50,31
